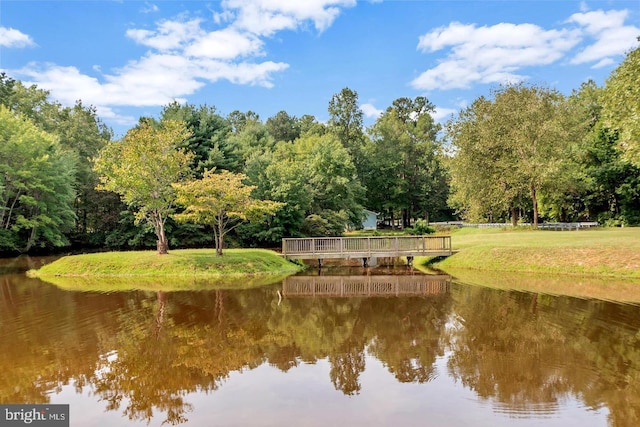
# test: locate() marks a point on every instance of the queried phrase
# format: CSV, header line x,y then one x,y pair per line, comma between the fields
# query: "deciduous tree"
x,y
345,121
283,127
403,168
79,130
480,191
508,148
37,177
621,105
316,178
142,167
222,201
609,184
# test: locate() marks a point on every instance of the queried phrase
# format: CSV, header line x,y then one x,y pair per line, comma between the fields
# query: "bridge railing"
x,y
400,285
366,246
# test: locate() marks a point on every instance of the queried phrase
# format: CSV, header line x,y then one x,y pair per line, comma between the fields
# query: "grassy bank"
x,y
611,252
198,263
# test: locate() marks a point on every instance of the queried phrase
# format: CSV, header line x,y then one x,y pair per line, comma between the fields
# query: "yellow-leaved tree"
x,y
222,201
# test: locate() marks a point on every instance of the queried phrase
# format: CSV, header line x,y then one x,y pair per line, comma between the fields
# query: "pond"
x,y
364,347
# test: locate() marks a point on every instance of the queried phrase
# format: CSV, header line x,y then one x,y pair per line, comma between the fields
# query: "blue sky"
x,y
129,58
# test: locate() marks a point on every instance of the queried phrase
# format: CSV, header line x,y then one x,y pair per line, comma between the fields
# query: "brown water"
x,y
405,352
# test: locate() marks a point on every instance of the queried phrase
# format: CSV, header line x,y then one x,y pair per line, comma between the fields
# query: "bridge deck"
x,y
366,247
366,286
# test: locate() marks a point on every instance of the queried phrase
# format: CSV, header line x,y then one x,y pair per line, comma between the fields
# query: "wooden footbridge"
x,y
366,247
366,286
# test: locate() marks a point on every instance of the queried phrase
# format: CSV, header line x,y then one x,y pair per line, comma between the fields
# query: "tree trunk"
x,y
84,220
514,216
11,210
219,243
162,243
220,236
405,214
2,211
534,200
162,246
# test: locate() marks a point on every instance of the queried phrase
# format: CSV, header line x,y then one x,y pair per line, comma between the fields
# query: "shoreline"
x,y
596,253
179,263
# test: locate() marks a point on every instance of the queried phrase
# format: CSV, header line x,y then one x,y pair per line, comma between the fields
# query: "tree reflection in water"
x,y
529,352
144,353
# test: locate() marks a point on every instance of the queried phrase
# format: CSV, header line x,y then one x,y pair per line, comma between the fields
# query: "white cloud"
x,y
369,110
612,37
189,37
500,53
154,80
443,114
115,117
225,44
184,55
67,84
462,103
169,35
490,54
10,37
266,17
259,74
598,21
603,63
584,7
222,17
149,8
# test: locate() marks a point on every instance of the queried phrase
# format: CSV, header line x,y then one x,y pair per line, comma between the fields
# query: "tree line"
x,y
521,153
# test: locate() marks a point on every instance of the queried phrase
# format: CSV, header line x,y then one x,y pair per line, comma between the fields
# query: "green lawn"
x,y
178,263
610,252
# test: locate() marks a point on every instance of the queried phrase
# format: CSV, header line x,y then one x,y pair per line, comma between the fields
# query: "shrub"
x,y
419,228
